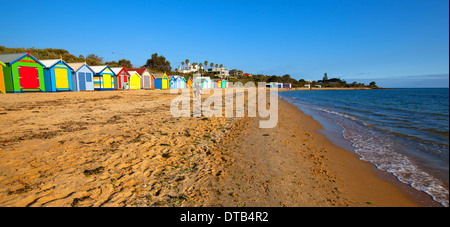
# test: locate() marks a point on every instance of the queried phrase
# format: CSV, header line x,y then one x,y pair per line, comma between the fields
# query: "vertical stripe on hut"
x,y
103,78
121,79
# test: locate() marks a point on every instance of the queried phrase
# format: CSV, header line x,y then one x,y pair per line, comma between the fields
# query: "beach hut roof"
x,y
134,72
13,57
117,70
52,62
100,68
8,58
76,66
140,71
1,63
159,75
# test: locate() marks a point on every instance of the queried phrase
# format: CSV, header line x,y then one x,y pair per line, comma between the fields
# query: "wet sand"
x,y
124,148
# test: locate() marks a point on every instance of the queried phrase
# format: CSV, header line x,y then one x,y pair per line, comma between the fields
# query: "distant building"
x,y
220,72
236,73
189,68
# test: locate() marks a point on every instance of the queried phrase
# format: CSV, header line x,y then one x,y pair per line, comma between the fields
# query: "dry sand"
x,y
124,148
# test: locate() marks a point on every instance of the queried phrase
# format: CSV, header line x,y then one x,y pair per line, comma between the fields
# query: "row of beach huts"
x,y
21,72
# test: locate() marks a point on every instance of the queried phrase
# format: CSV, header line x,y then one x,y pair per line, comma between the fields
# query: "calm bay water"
x,y
401,131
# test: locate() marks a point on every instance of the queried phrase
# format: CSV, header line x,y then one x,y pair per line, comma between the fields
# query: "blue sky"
x,y
398,43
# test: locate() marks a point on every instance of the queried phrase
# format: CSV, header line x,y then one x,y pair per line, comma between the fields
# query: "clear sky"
x,y
398,43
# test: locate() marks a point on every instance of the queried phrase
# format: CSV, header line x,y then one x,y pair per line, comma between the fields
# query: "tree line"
x,y
158,63
334,82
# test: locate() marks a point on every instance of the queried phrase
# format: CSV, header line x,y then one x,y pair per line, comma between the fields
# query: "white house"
x,y
189,68
221,72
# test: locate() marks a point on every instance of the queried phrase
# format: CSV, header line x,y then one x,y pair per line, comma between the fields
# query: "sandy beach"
x,y
124,148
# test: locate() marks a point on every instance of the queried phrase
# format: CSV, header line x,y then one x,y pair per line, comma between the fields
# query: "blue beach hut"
x,y
58,75
172,82
82,77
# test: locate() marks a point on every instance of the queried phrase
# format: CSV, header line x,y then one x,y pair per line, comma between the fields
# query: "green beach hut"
x,y
22,73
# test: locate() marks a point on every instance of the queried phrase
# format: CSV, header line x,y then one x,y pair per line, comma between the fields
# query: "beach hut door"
x,y
106,81
29,77
61,78
82,81
146,82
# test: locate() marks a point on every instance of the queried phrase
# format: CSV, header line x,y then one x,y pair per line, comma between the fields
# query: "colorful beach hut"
x,y
2,80
58,75
224,83
269,85
82,77
205,82
177,82
147,79
181,82
218,83
22,73
188,82
121,79
103,78
135,80
172,82
161,81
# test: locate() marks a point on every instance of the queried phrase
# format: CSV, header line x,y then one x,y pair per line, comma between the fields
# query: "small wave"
x,y
379,151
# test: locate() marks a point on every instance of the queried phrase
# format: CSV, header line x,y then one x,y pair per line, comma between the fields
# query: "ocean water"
x,y
401,131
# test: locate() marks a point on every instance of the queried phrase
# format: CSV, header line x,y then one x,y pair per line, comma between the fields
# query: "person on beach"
x,y
199,89
195,90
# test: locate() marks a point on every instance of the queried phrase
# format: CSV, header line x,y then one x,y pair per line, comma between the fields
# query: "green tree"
x,y
325,77
95,58
158,63
373,84
121,63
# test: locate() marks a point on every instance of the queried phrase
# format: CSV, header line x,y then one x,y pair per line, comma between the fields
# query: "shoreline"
x,y
297,166
420,197
414,196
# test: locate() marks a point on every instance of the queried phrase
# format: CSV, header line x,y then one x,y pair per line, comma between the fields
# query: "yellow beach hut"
x,y
135,80
2,80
